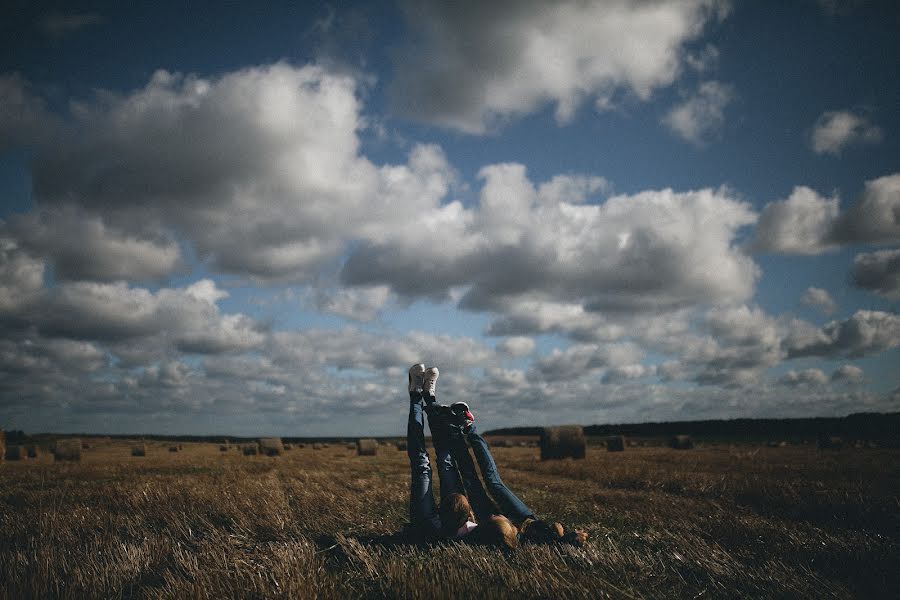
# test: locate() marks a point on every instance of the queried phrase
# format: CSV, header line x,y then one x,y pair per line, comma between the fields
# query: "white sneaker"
x,y
416,378
431,375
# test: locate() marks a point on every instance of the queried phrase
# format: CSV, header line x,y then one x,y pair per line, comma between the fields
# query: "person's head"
x,y
497,531
541,532
455,511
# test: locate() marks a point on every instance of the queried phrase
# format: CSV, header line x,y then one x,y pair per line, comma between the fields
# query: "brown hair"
x,y
455,511
496,531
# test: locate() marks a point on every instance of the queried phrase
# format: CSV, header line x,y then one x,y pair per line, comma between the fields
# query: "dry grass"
x,y
716,522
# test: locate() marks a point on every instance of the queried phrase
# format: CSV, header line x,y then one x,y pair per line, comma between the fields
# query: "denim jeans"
x,y
455,464
510,505
422,510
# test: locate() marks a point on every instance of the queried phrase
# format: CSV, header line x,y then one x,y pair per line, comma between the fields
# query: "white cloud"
x,y
516,346
357,304
835,130
879,272
701,116
848,374
801,224
84,247
805,377
866,332
819,298
807,223
475,65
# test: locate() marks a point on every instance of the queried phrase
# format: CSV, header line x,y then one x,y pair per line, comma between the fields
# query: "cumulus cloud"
x,y
356,304
807,223
84,247
800,224
835,130
805,377
866,332
701,116
820,299
516,346
848,374
258,169
653,251
474,65
879,272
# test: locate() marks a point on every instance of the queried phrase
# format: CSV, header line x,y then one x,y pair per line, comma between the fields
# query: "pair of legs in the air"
x,y
453,431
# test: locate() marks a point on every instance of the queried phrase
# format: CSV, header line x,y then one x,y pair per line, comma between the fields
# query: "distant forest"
x,y
869,426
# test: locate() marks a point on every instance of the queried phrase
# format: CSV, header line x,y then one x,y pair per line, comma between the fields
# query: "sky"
x,y
252,218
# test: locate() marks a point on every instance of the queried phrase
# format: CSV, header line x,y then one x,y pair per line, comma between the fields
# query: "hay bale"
x,y
681,442
326,445
830,442
351,446
33,450
317,446
139,450
223,448
615,443
69,450
251,450
366,447
15,452
287,447
401,446
271,446
562,442
301,445
176,448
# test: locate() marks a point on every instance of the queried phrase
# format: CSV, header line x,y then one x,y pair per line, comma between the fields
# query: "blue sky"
x,y
252,219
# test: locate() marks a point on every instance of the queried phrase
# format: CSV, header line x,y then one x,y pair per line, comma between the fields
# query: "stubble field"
x,y
715,522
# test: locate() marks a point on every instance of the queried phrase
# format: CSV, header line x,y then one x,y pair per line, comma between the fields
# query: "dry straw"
x,y
616,443
69,449
681,442
366,447
15,452
563,441
140,450
271,446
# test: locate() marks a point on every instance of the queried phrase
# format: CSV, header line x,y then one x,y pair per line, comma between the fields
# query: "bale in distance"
x,y
351,446
176,448
317,446
401,446
69,450
251,450
326,445
271,446
223,448
563,441
681,442
366,447
830,442
287,447
139,450
301,445
615,443
33,450
15,452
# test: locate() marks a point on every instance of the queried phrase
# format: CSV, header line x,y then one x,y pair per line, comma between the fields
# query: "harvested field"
x,y
716,522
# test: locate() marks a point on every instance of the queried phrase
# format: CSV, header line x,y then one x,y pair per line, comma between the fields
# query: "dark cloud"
x,y
879,272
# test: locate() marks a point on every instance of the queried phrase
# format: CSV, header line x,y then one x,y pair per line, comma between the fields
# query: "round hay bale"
x,y
140,450
301,445
69,450
351,446
33,451
223,448
317,446
271,446
287,447
401,446
681,442
326,445
250,450
616,443
830,442
85,446
366,447
563,441
15,452
176,448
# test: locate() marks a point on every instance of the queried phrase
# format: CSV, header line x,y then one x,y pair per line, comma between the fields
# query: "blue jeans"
x,y
510,505
455,466
422,511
